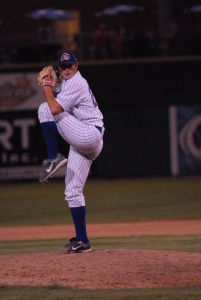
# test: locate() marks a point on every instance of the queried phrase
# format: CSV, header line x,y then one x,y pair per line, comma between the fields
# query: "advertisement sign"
x,y
19,91
185,139
22,148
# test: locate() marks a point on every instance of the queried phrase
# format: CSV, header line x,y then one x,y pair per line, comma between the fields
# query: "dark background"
x,y
18,32
134,93
14,20
135,99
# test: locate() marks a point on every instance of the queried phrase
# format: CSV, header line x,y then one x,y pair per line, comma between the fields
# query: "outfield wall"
x,y
141,102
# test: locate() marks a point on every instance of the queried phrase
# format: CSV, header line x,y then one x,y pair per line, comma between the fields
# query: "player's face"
x,y
68,72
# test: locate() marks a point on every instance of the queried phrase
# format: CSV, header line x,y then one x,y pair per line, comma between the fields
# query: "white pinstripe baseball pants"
x,y
85,142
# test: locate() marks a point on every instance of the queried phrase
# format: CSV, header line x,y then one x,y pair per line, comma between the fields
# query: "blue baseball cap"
x,y
67,57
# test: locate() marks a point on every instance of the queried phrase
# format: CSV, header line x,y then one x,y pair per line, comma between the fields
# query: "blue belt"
x,y
99,128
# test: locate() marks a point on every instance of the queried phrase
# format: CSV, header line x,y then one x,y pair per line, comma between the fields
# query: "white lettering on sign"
x,y
6,134
8,131
24,124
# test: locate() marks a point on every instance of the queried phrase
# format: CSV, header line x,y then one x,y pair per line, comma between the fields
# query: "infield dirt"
x,y
108,268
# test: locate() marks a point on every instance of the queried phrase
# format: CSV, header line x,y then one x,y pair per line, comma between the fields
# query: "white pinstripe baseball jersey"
x,y
76,125
77,98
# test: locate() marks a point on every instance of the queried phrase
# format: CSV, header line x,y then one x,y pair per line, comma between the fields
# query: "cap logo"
x,y
65,56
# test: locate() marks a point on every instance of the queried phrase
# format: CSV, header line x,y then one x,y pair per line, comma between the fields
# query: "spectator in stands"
x,y
148,43
172,33
116,42
128,44
100,46
168,42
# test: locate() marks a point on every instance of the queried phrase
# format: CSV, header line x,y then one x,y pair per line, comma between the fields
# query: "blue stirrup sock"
x,y
50,134
79,219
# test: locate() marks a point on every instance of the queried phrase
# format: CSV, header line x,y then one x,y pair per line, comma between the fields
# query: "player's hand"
x,y
47,77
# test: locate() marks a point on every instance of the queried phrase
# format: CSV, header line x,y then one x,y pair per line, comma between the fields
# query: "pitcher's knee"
x,y
74,199
44,114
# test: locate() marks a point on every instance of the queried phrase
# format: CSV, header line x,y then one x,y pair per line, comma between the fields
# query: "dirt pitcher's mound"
x,y
103,269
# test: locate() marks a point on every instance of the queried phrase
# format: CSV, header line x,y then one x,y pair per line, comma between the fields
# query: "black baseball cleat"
x,y
76,246
51,166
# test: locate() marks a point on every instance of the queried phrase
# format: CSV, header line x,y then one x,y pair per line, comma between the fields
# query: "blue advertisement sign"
x,y
185,133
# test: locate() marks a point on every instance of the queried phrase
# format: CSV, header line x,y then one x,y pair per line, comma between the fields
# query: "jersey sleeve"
x,y
70,92
67,98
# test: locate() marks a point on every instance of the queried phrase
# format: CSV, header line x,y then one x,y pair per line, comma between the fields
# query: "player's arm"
x,y
54,106
47,79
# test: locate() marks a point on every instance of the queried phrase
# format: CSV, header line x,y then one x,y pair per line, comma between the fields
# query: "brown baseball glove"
x,y
47,77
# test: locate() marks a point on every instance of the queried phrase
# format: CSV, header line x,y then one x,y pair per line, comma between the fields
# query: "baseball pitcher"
x,y
71,110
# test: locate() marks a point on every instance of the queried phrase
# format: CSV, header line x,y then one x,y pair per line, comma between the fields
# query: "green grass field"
x,y
61,293
185,243
107,201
